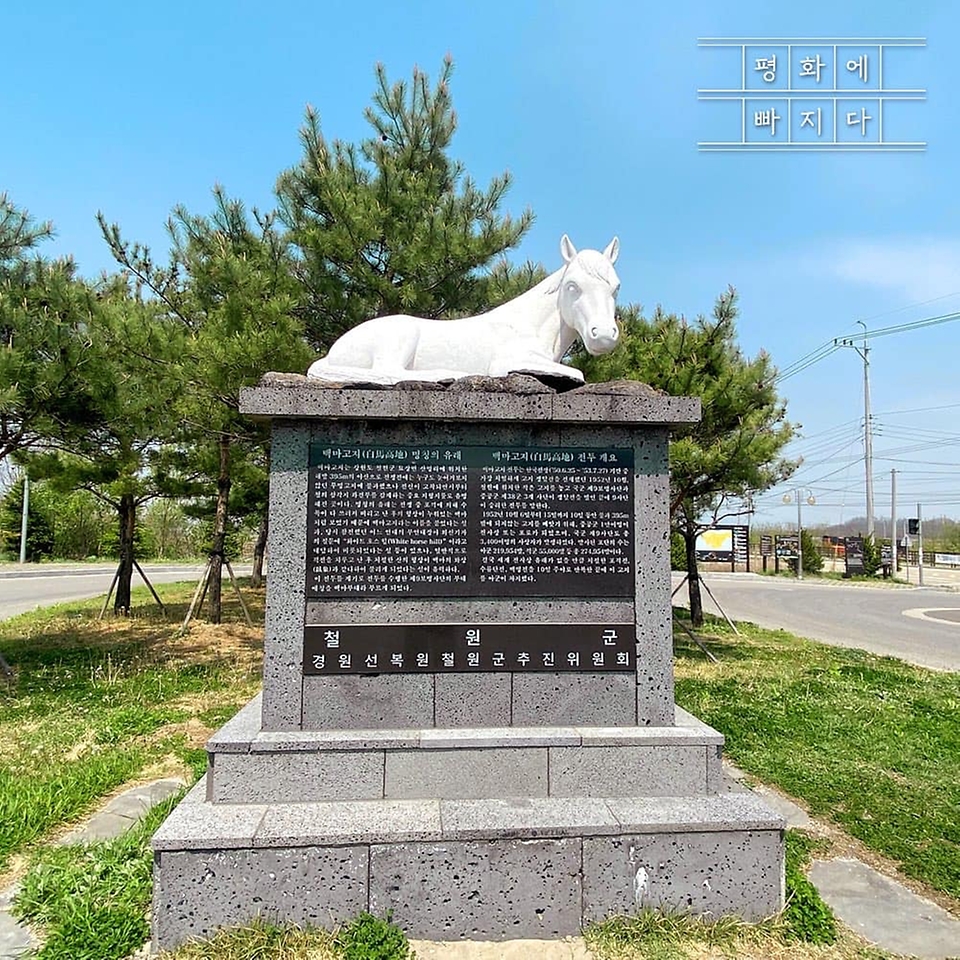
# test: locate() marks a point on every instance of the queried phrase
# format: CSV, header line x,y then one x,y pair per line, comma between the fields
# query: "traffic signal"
x,y
913,527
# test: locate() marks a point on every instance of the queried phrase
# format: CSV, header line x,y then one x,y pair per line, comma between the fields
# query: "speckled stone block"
x,y
239,732
198,823
611,415
291,396
473,699
525,818
349,822
511,772
483,890
295,777
361,702
197,892
707,874
585,699
623,771
655,691
286,581
714,769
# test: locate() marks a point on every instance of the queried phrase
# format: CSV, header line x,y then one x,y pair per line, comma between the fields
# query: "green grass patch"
x,y
870,742
260,941
805,917
92,900
654,936
96,703
367,937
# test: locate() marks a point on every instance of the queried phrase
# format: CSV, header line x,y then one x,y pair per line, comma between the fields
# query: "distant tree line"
x,y
120,395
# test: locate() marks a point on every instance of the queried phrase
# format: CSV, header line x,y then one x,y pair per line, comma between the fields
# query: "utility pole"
x,y
23,519
867,430
919,546
867,424
893,520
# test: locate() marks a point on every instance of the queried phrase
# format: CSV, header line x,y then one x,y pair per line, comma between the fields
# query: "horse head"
x,y
588,293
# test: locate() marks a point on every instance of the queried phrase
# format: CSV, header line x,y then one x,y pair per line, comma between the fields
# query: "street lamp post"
x,y
811,500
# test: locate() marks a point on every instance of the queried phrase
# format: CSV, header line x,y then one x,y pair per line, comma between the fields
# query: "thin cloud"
x,y
916,270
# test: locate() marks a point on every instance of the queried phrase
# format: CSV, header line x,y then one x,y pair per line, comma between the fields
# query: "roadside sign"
x,y
787,546
853,556
724,544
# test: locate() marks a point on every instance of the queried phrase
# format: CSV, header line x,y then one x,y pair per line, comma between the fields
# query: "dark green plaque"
x,y
469,521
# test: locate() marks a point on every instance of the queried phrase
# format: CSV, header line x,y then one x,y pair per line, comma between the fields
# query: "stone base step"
x,y
464,869
248,765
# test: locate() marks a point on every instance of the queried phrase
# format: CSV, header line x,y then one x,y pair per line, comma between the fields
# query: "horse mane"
x,y
591,261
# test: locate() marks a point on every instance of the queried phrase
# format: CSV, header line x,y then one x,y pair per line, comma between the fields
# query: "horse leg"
x,y
533,364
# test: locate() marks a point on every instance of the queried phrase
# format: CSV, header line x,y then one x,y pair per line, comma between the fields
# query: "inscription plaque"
x,y
468,648
466,521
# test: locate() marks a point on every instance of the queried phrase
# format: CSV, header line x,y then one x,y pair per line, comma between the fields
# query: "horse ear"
x,y
613,250
567,250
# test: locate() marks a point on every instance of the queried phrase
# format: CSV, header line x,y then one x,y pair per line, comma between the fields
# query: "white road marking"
x,y
921,613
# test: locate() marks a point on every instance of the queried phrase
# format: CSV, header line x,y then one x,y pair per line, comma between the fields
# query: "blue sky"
x,y
593,108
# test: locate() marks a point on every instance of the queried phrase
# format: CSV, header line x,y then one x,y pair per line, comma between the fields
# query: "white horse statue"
x,y
530,334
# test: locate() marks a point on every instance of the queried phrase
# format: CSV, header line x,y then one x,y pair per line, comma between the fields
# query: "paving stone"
x,y
886,912
122,812
15,940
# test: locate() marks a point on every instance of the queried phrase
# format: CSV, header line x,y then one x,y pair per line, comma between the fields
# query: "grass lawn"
x,y
868,743
97,705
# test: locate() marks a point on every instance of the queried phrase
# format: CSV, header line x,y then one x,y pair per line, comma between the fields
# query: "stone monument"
x,y
467,713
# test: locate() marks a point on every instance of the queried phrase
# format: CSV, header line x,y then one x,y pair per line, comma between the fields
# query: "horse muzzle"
x,y
598,343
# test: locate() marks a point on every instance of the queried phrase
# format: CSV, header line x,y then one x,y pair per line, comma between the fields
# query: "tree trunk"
x,y
219,531
693,575
259,549
127,512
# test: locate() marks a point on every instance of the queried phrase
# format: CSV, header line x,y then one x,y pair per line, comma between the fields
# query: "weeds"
x,y
367,937
92,899
806,917
260,941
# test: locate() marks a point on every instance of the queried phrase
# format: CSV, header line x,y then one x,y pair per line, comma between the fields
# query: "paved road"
x,y
917,624
28,587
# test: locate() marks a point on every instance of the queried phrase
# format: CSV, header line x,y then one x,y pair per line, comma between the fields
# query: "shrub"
x,y
367,937
678,552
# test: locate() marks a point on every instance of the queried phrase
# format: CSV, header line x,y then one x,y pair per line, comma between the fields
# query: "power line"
x,y
829,346
942,406
901,328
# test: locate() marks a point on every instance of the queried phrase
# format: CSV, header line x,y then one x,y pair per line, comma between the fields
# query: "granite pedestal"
x,y
474,805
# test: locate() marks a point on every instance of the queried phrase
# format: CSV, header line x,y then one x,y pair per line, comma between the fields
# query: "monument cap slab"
x,y
477,399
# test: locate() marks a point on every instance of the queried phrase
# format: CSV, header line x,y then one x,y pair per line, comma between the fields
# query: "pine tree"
x,y
44,383
229,286
393,225
735,449
129,362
